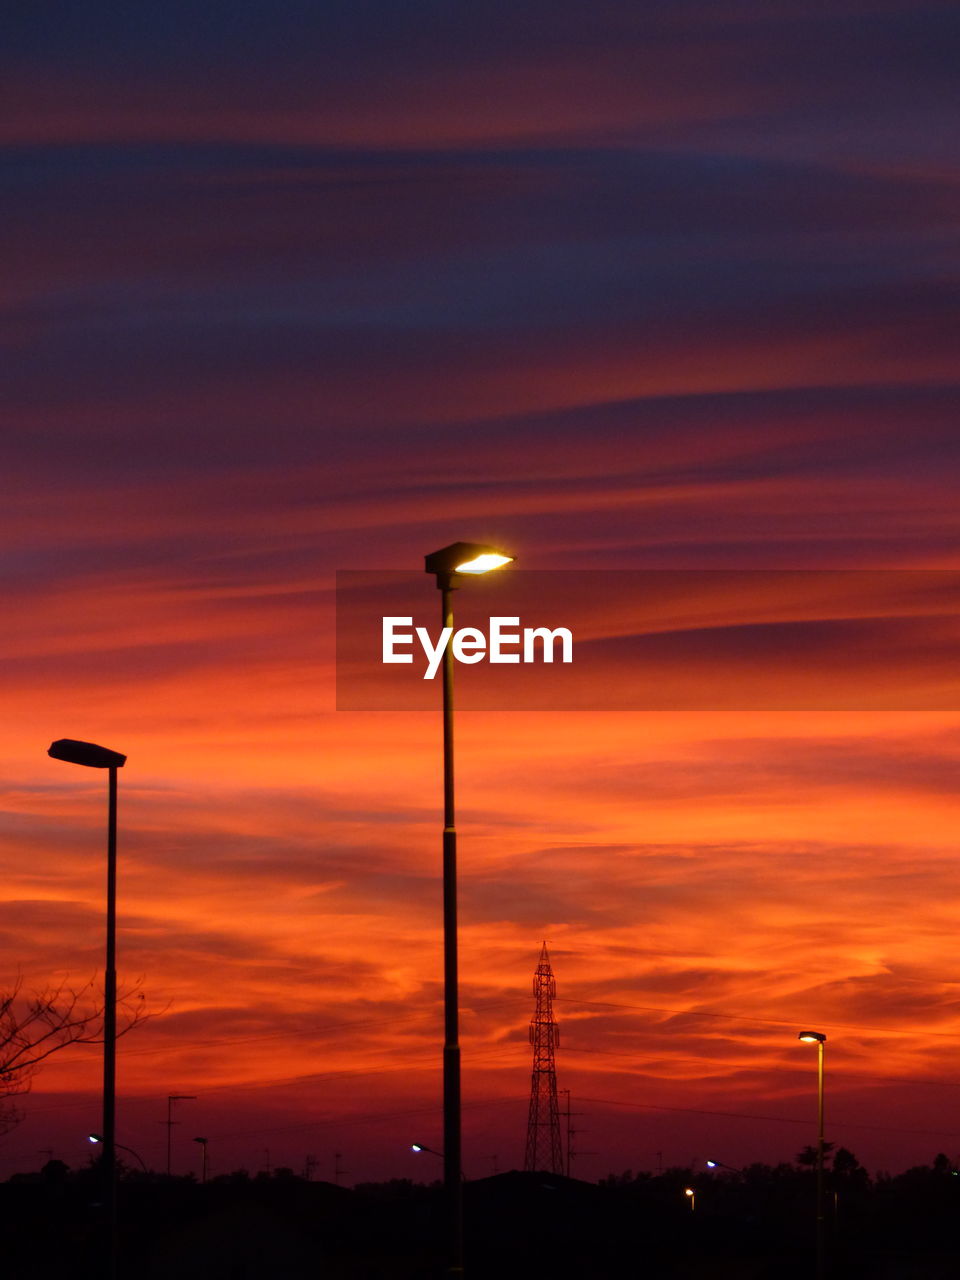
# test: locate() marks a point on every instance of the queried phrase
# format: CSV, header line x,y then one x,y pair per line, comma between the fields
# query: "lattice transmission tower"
x,y
543,1126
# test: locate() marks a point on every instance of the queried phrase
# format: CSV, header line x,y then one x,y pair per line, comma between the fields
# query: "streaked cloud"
x,y
642,288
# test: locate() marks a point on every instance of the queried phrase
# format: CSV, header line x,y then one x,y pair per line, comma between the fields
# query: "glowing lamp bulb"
x,y
484,563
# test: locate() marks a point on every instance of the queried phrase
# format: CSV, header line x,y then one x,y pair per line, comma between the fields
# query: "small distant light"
x,y
688,1191
416,1146
484,563
711,1164
94,1137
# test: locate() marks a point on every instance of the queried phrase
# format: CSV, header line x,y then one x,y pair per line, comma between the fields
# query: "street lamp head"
x,y
87,753
422,1146
94,1137
472,558
484,562
202,1141
812,1037
688,1191
720,1164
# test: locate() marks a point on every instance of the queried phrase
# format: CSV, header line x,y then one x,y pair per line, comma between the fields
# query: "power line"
x,y
769,1022
843,1073
369,1118
744,1115
426,1056
332,1027
302,1032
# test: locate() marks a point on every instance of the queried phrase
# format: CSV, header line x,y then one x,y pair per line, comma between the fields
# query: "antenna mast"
x,y
544,1150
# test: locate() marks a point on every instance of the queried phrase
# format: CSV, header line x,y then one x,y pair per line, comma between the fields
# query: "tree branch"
x,y
34,1026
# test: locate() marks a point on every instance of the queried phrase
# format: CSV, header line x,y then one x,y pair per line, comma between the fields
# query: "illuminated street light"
x,y
465,557
449,565
418,1147
689,1191
817,1038
96,1138
719,1164
92,756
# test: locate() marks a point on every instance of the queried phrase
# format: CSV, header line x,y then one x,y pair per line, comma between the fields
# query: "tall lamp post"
x,y
819,1039
96,757
451,565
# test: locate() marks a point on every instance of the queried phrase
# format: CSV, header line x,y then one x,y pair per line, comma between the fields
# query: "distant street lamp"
x,y
96,1138
93,756
718,1164
451,565
817,1038
417,1147
689,1191
203,1167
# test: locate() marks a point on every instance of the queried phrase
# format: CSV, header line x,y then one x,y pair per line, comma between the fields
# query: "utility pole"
x,y
170,1122
571,1132
544,1148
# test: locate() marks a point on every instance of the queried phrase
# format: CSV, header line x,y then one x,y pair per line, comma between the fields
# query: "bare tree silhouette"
x,y
36,1024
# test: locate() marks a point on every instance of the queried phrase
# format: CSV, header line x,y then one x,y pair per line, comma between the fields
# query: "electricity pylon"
x,y
544,1150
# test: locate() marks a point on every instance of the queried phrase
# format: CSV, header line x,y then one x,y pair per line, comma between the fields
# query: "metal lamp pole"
x,y
95,757
461,558
452,1157
110,1001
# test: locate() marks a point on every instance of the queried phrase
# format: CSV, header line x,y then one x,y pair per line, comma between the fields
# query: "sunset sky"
x,y
294,289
